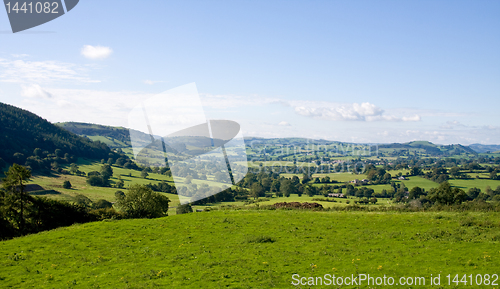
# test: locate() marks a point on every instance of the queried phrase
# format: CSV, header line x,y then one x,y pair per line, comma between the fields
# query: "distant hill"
x,y
118,137
480,148
21,132
430,148
114,137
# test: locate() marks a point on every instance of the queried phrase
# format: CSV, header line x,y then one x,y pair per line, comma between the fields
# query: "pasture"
x,y
253,249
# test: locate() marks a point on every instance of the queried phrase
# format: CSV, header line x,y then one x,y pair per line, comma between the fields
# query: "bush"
x,y
95,181
183,209
67,185
102,204
142,202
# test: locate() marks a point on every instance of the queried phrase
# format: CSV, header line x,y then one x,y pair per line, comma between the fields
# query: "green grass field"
x,y
253,249
133,177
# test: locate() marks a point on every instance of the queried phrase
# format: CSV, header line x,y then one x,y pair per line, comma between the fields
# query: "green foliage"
x,y
256,190
25,137
102,204
67,184
142,202
183,209
447,195
15,198
95,181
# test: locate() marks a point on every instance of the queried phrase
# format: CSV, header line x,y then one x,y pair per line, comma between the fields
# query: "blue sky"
x,y
360,71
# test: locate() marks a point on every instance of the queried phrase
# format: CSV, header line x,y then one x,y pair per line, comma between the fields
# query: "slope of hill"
x,y
114,137
21,132
430,148
252,249
480,148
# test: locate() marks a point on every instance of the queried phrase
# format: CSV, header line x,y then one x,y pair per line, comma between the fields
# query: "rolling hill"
x,y
22,132
118,137
480,148
430,148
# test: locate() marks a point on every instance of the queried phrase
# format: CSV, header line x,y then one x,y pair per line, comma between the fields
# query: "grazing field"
x,y
253,249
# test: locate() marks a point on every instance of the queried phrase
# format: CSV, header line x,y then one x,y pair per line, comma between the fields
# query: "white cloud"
x,y
315,109
20,55
96,52
411,118
345,112
20,71
284,123
34,91
151,82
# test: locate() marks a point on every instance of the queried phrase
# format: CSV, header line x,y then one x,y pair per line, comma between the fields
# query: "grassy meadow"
x,y
253,249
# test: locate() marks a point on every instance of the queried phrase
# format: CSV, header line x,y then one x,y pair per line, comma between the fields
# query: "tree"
x,y
415,171
95,181
120,184
144,174
415,193
73,168
310,191
37,152
473,193
455,172
256,190
66,185
447,195
83,200
305,178
17,199
119,194
286,187
102,204
106,172
184,209
275,186
59,153
142,202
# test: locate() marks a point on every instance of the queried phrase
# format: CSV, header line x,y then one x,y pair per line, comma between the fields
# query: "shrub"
x,y
102,204
67,185
183,209
142,202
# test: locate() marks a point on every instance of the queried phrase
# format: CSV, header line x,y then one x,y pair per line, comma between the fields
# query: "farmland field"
x,y
253,249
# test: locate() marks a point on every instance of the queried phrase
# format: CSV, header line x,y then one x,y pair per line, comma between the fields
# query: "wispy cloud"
x,y
324,110
96,52
34,91
20,71
151,82
345,111
284,123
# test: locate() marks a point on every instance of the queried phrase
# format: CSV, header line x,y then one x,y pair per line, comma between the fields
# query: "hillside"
x,y
22,132
430,148
480,148
118,137
253,249
114,137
